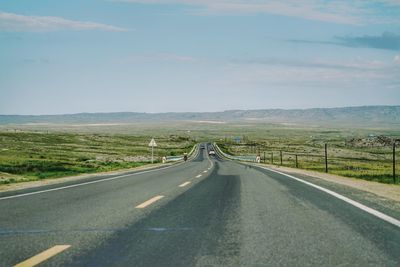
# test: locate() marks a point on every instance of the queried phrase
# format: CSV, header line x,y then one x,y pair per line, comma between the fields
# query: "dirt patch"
x,y
5,177
371,141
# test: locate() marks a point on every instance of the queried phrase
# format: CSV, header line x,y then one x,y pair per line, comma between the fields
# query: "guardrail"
x,y
240,158
178,158
358,166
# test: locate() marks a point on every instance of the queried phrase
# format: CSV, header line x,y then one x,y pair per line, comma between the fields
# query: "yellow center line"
x,y
41,257
198,176
184,184
149,202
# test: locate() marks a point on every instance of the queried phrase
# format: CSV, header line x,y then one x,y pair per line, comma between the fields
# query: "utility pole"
x,y
326,158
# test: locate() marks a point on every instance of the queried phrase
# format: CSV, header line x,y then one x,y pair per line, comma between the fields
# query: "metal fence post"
x,y
326,158
297,163
272,158
281,157
394,162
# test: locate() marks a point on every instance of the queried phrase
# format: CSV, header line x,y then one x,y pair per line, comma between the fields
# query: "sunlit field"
x,y
27,156
31,152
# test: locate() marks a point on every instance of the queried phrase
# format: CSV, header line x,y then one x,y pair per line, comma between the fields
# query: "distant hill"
x,y
347,116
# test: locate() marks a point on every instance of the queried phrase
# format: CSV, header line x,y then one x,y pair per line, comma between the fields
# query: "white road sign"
x,y
152,143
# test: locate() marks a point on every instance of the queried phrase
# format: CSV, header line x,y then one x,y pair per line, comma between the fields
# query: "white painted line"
x,y
204,171
367,209
41,257
198,176
149,202
184,184
87,183
356,204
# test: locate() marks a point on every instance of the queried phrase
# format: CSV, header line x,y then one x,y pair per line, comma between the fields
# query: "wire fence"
x,y
378,164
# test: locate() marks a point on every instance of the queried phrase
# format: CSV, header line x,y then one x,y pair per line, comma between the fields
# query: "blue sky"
x,y
206,55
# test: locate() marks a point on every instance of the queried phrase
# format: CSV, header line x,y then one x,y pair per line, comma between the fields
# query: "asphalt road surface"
x,y
205,212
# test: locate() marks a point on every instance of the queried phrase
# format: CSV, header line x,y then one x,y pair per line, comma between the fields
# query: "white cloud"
x,y
176,58
11,22
314,74
337,11
158,58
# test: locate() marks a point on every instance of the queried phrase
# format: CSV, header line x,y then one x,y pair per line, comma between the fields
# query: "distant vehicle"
x,y
211,153
185,157
202,147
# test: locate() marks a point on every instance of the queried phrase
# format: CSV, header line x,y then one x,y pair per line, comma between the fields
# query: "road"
x,y
205,212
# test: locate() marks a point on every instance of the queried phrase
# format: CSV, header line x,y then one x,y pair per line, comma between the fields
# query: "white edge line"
x,y
356,204
198,176
87,183
367,209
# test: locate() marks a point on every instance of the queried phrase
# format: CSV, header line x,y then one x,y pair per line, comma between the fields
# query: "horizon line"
x,y
197,112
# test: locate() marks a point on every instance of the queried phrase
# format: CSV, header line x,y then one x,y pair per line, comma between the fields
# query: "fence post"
x,y
297,164
326,158
272,158
264,156
394,162
281,157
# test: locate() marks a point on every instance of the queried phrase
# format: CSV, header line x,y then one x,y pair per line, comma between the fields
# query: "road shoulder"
x,y
382,197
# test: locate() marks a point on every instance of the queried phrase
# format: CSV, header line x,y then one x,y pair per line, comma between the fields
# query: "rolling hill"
x,y
346,116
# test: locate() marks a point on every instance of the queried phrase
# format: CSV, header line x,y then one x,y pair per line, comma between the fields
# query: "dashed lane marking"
x,y
41,257
149,202
184,184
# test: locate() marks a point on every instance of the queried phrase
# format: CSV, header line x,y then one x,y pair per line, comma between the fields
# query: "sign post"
x,y
152,144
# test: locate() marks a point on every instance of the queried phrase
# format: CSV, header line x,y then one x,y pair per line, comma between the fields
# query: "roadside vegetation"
x,y
37,151
29,156
363,154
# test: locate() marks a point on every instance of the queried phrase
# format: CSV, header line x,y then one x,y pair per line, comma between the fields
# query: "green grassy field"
x,y
351,153
28,156
37,151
